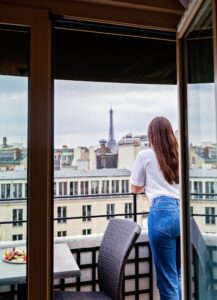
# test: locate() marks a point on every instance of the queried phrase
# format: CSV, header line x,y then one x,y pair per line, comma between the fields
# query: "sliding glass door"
x,y
200,183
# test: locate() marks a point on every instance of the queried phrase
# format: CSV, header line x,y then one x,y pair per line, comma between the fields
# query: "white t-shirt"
x,y
146,172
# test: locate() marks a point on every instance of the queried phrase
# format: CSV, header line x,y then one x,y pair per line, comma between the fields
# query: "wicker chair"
x,y
117,242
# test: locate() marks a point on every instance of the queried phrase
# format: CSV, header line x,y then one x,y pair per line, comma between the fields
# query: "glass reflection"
x,y
202,153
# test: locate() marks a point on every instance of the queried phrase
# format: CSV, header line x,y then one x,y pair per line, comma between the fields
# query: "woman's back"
x,y
146,172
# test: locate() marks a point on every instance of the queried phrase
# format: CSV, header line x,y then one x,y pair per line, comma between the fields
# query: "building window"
x,y
8,190
209,189
115,186
105,187
128,210
125,186
17,237
191,210
86,212
94,187
190,187
210,215
84,187
61,233
61,213
55,189
63,188
86,231
2,191
73,188
198,189
5,190
193,160
26,190
17,216
110,211
17,190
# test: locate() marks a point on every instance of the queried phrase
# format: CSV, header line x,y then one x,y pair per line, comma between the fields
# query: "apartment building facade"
x,y
203,189
80,197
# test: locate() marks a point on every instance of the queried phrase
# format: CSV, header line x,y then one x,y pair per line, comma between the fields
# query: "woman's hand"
x,y
135,189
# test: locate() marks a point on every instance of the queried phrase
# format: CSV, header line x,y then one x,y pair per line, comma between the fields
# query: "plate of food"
x,y
15,256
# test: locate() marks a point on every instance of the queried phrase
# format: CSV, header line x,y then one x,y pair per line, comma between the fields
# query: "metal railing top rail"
x,y
134,213
102,216
14,222
76,196
203,215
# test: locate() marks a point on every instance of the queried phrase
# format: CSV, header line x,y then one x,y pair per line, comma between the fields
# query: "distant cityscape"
x,y
107,154
94,180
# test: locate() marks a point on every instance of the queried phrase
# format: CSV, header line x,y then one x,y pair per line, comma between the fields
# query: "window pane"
x,y
94,187
14,59
202,120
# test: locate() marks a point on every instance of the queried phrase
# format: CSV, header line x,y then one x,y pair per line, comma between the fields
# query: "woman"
x,y
157,171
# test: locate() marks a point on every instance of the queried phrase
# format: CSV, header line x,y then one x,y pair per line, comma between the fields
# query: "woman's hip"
x,y
165,202
164,218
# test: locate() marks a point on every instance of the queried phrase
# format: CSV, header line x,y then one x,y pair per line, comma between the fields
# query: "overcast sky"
x,y
82,110
13,108
202,113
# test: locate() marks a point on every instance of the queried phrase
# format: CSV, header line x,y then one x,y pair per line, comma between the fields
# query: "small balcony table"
x,y
65,266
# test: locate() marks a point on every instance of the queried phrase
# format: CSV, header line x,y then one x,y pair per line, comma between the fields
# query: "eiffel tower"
x,y
111,139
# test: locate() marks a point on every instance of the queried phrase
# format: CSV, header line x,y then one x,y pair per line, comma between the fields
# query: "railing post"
x,y
135,207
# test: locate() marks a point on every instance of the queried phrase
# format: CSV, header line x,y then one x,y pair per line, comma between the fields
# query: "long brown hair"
x,y
163,141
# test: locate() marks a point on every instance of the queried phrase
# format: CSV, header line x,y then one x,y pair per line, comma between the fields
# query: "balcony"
x,y
140,279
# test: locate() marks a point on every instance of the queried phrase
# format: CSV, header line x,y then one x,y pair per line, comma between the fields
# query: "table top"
x,y
65,266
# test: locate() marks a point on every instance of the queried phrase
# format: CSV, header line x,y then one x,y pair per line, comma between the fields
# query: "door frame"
x,y
182,29
40,147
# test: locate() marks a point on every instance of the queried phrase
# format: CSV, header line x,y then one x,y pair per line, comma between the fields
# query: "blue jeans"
x,y
164,238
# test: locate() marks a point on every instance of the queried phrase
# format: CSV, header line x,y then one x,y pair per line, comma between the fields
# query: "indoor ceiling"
x,y
155,14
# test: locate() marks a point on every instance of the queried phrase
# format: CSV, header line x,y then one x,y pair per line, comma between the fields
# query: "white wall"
x,y
126,155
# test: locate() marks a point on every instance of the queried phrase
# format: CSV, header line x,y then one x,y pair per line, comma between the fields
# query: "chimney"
x,y
4,141
103,146
17,154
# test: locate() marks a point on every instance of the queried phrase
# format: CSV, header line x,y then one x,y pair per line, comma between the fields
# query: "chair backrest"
x,y
117,242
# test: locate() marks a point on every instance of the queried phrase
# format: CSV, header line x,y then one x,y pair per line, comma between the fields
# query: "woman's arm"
x,y
137,178
135,189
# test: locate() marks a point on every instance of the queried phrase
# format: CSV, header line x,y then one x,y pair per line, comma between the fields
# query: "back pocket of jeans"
x,y
164,220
